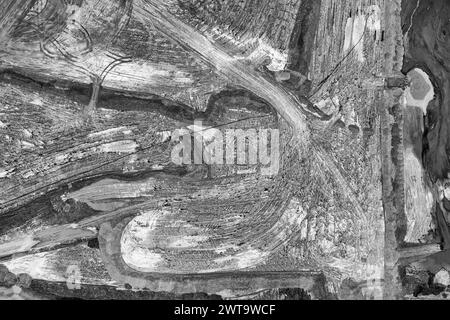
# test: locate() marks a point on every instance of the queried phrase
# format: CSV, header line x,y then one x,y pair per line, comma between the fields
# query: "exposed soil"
x,y
303,37
428,48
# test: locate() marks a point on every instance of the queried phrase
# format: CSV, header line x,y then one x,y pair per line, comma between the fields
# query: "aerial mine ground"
x,y
224,149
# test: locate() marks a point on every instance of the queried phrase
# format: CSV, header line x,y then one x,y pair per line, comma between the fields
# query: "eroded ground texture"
x,y
347,99
426,29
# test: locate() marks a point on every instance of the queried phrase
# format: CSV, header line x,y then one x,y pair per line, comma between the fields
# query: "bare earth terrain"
x,y
338,189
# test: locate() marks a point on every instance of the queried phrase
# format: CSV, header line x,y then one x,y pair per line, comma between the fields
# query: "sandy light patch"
x,y
421,91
